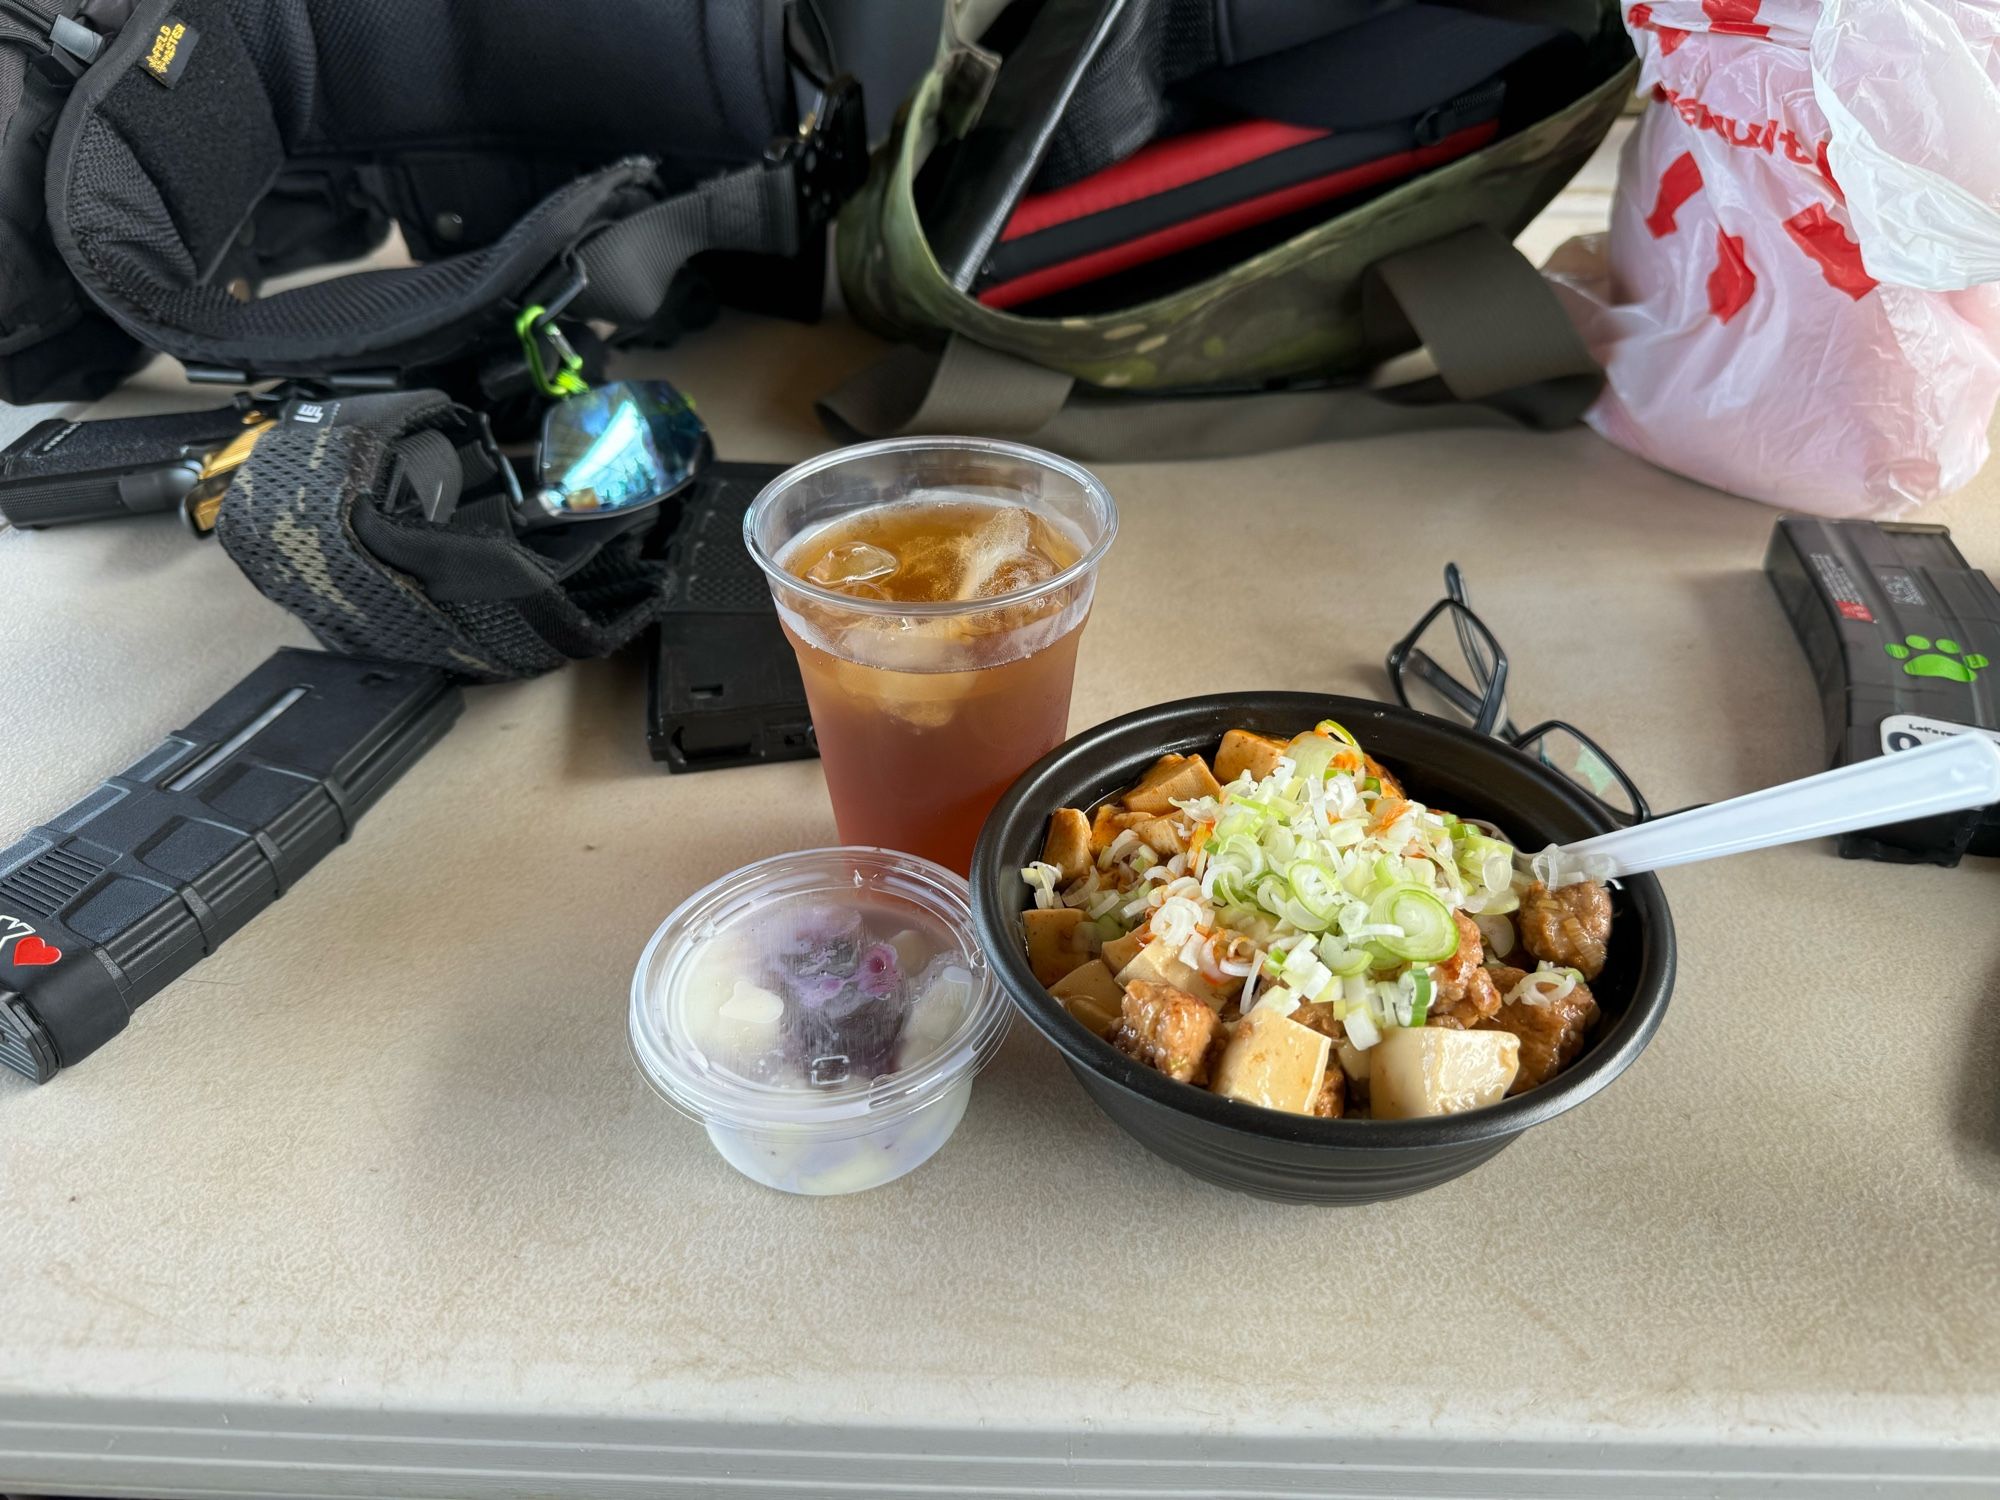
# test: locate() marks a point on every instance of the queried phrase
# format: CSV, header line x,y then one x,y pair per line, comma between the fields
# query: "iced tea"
x,y
934,589
923,721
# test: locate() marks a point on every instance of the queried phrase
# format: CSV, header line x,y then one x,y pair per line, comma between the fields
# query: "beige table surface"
x,y
375,1201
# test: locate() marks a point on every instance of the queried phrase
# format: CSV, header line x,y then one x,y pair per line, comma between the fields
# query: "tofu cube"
x,y
1158,964
1110,821
1164,836
1159,771
1121,951
1055,942
1157,793
1436,1070
1090,993
1243,751
1068,844
1274,1061
1353,1062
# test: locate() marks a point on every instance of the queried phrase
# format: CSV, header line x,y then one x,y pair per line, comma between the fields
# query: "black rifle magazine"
x,y
724,687
123,892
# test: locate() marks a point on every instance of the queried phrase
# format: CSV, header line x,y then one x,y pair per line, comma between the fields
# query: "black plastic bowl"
x,y
1297,1158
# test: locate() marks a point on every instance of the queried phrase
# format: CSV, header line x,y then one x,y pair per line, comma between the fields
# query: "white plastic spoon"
x,y
1941,777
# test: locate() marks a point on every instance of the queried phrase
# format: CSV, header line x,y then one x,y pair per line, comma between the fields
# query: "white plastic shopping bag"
x,y
1801,299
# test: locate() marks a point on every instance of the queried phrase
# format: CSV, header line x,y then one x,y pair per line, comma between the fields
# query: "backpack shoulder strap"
x,y
147,185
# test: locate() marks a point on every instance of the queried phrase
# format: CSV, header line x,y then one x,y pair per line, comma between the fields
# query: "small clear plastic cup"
x,y
822,1014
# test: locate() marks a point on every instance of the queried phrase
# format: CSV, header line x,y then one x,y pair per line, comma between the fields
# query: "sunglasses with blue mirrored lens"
x,y
612,451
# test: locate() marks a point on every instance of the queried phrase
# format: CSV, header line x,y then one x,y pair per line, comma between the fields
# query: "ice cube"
x,y
925,700
1001,541
851,563
1018,573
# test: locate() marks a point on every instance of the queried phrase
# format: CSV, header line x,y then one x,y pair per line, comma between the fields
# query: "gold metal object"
x,y
203,504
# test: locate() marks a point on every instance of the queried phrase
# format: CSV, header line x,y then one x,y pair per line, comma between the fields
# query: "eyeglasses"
x,y
614,450
1450,633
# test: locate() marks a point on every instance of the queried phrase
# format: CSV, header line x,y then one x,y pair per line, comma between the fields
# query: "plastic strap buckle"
x,y
828,154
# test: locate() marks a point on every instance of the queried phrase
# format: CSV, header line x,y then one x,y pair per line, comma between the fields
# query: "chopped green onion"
x,y
1316,890
1043,877
1305,973
1340,959
1422,989
1346,833
1295,913
1496,934
1273,893
1428,934
1312,755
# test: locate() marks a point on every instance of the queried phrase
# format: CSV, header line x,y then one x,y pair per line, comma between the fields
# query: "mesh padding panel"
x,y
1122,101
349,317
278,36
124,206
294,519
285,523
209,142
501,630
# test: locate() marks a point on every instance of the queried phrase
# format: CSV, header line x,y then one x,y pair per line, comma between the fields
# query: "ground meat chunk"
x,y
1167,1029
1552,1033
1331,1102
1505,977
1465,992
1479,1001
1567,926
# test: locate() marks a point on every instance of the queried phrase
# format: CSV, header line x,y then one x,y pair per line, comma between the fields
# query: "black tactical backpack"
x,y
161,161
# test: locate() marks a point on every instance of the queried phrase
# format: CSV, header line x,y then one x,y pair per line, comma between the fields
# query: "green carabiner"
x,y
532,326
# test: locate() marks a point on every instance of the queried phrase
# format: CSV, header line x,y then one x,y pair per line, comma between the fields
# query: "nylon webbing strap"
x,y
630,263
427,467
1503,346
1491,323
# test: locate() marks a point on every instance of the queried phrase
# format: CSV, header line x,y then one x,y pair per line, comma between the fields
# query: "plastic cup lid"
x,y
832,989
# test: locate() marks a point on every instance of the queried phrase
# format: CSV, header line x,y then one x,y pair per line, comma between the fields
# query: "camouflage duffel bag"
x,y
1278,336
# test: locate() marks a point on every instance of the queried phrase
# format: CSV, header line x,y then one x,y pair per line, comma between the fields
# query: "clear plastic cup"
x,y
927,709
822,1014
